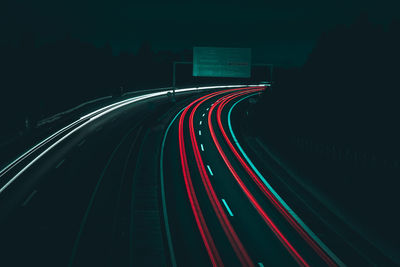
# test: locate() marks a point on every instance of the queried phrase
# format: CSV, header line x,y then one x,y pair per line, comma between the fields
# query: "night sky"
x,y
279,32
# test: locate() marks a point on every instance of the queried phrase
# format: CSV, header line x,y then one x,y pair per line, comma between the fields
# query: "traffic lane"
x,y
219,173
48,223
73,116
312,212
245,219
187,242
12,169
318,246
211,221
12,196
299,244
242,254
42,146
117,239
123,237
230,248
98,231
53,213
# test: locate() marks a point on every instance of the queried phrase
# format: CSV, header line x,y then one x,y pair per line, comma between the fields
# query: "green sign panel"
x,y
222,62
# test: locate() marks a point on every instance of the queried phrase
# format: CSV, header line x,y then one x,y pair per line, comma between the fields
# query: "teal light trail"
x,y
297,218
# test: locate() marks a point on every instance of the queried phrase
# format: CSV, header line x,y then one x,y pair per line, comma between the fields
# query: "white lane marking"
x,y
209,169
208,109
260,264
200,122
60,163
199,132
227,207
82,142
203,114
202,147
29,198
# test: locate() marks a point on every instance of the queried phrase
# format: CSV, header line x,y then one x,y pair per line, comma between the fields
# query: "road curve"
x,y
236,215
147,181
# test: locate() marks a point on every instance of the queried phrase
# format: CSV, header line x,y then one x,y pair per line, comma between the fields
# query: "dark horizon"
x,y
278,33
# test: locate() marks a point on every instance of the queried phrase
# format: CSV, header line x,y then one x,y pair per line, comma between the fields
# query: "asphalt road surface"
x,y
153,182
239,219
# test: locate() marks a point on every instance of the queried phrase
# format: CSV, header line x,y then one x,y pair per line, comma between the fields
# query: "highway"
x,y
68,199
151,182
240,220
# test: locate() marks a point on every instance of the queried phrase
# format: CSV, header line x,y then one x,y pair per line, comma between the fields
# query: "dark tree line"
x,y
336,122
347,93
38,80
